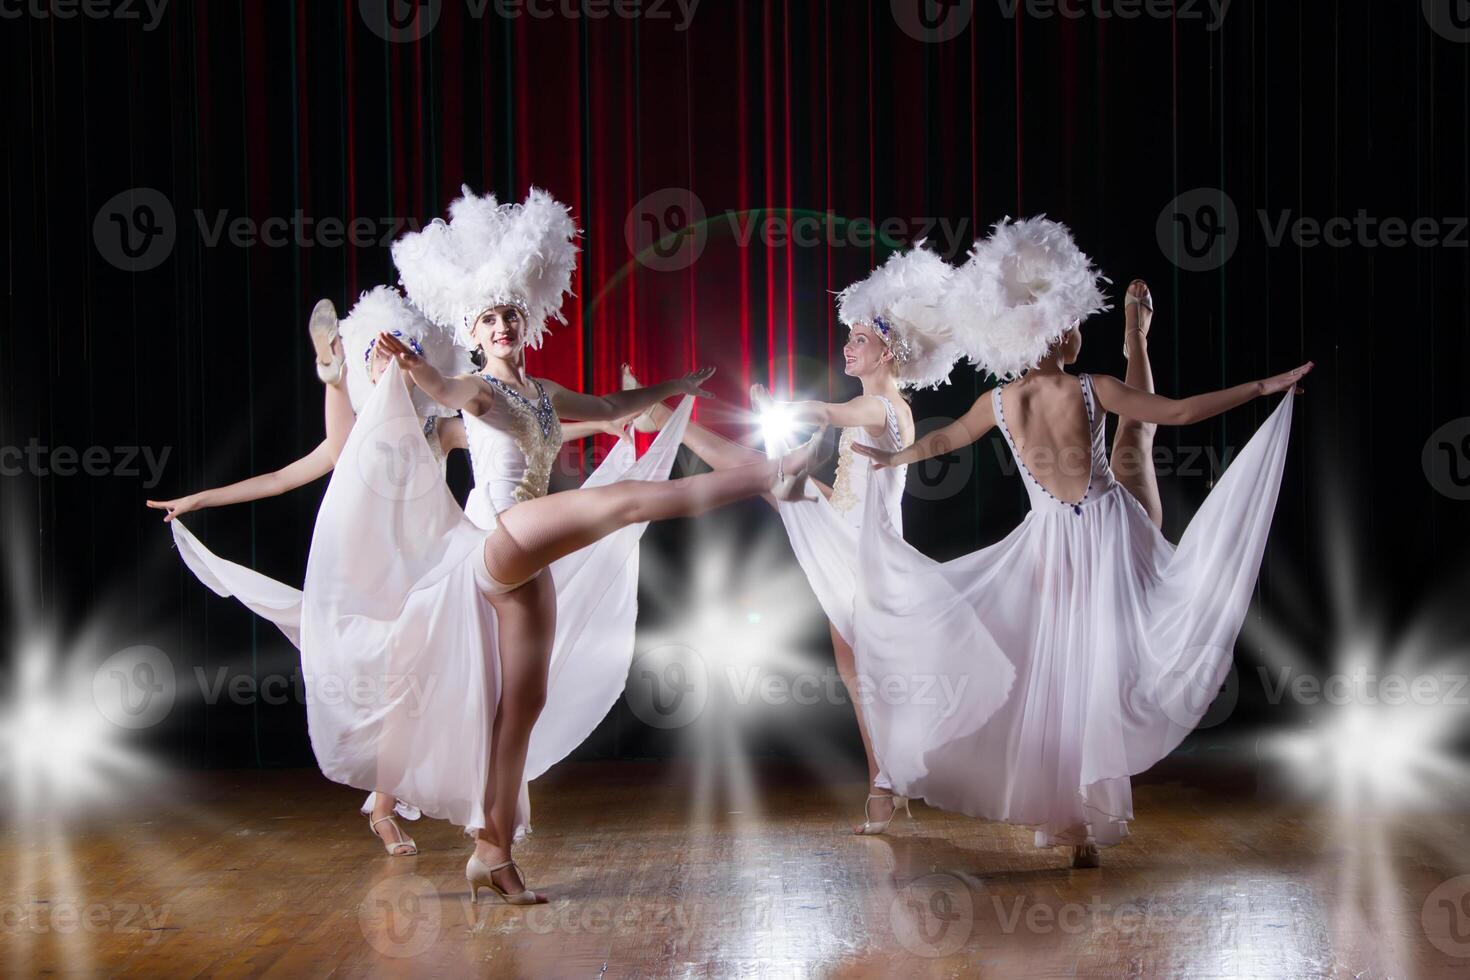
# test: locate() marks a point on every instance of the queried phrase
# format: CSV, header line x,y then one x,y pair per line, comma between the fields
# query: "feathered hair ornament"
x,y
1021,289
384,309
899,301
490,254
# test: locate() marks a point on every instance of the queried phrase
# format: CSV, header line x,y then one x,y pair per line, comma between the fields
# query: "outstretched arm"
x,y
864,411
964,430
601,408
461,391
1119,398
572,431
313,466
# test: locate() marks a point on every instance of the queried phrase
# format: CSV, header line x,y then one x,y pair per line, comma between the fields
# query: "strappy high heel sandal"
x,y
793,486
323,329
392,847
872,828
644,422
478,875
1086,856
1146,301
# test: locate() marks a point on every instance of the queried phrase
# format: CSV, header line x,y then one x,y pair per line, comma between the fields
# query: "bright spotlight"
x,y
777,424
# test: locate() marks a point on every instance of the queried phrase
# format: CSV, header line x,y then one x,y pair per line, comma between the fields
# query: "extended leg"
x,y
1133,443
535,533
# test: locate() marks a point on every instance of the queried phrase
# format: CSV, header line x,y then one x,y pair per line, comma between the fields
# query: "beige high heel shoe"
x,y
645,421
392,846
793,486
323,329
478,875
871,828
1146,301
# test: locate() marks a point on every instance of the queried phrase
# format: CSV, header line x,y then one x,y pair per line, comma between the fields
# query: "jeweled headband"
x,y
413,345
900,348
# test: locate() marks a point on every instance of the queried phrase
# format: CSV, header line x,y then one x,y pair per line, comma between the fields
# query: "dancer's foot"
x,y
1138,316
1086,856
323,329
878,812
386,829
493,868
654,417
793,468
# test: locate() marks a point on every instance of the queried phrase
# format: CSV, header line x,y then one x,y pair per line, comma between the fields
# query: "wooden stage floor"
x,y
273,873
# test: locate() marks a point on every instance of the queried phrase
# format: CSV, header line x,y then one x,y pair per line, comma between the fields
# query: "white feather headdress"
x,y
899,300
1019,291
491,254
384,309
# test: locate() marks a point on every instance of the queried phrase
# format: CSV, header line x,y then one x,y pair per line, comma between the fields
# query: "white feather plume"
x,y
384,309
904,292
1021,288
491,254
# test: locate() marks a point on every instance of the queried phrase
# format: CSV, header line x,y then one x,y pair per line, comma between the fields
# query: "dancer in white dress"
x,y
348,383
1119,639
465,632
896,341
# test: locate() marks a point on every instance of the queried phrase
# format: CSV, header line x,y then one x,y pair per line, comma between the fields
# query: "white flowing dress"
x,y
1119,639
399,646
831,537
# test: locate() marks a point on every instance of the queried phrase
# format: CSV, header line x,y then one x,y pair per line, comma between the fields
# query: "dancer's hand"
x,y
178,506
401,352
691,383
1287,381
882,459
619,427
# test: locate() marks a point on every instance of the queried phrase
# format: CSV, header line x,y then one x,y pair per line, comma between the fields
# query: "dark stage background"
x,y
172,317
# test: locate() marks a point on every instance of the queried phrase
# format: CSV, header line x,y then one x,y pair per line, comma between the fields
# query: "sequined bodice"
x,y
855,471
513,447
1100,478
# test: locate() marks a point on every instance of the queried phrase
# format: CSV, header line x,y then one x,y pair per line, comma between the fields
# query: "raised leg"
x,y
1133,443
535,533
337,409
